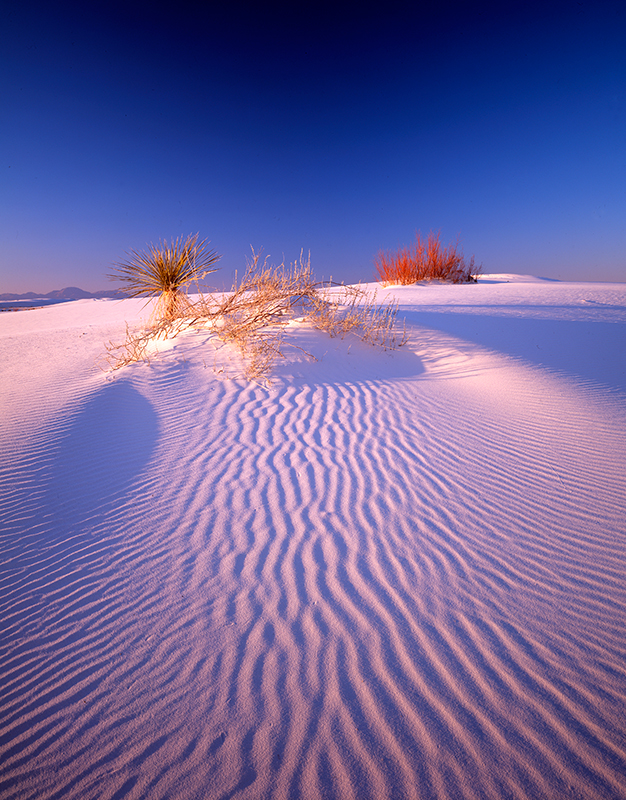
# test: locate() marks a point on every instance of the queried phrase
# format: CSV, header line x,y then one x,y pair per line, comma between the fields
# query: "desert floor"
x,y
387,574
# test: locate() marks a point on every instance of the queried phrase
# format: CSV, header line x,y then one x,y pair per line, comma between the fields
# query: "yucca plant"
x,y
166,270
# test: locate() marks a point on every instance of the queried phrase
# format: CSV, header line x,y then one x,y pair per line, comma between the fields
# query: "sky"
x,y
324,128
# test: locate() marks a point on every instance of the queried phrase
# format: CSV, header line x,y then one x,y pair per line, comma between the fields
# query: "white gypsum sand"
x,y
388,574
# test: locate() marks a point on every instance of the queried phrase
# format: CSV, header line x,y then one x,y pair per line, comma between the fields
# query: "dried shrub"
x,y
253,316
426,260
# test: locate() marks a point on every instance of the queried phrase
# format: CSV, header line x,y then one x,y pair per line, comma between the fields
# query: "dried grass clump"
x,y
166,270
353,309
426,260
254,315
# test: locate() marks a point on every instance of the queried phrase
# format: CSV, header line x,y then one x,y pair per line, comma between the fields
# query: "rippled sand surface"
x,y
385,575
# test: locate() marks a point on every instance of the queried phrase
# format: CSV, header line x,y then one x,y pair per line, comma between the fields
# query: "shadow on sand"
x,y
589,350
99,452
313,358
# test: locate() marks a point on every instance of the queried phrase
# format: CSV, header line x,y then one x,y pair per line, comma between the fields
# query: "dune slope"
x,y
385,575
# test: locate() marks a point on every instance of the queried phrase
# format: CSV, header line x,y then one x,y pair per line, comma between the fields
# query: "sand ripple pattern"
x,y
339,588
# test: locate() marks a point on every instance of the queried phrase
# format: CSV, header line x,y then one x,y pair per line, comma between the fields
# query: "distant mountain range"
x,y
69,293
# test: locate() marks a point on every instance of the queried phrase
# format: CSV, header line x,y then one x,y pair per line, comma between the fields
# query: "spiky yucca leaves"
x,y
166,270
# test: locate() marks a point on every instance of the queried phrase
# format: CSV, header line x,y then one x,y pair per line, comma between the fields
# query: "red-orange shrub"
x,y
426,260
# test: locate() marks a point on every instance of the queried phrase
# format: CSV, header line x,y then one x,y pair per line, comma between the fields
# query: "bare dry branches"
x,y
253,316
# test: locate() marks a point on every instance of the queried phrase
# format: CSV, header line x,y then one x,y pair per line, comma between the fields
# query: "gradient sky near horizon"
x,y
324,127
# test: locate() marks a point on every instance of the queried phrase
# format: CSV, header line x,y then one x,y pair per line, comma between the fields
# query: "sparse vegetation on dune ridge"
x,y
254,315
426,260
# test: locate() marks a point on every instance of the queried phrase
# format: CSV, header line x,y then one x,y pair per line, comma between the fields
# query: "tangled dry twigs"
x,y
253,316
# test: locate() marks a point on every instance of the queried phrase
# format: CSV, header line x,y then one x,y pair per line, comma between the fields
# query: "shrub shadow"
x,y
100,453
314,358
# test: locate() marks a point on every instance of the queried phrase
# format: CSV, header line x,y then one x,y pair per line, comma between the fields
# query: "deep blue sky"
x,y
336,130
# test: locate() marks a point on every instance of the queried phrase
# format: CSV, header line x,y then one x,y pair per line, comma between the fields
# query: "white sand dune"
x,y
386,575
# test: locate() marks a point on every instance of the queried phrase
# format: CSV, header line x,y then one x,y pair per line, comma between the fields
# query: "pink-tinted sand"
x,y
385,575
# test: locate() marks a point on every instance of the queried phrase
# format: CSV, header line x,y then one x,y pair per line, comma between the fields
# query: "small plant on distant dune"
x,y
426,260
166,271
254,314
